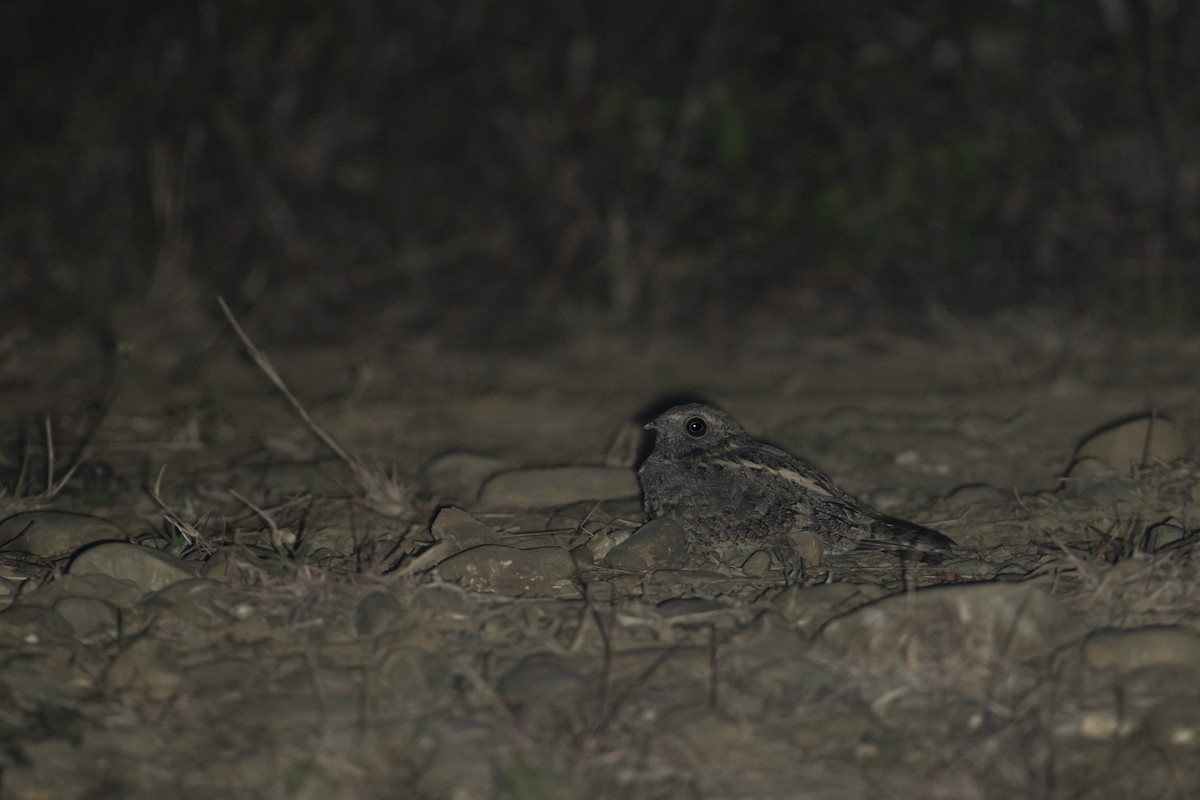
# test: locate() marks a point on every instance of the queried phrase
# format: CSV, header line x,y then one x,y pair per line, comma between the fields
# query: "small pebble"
x,y
461,531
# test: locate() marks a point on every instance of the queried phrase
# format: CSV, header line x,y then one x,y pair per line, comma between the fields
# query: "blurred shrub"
x,y
477,166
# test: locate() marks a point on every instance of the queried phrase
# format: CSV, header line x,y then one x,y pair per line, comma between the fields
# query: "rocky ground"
x,y
464,605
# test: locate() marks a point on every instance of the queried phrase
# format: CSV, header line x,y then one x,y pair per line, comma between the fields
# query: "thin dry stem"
x,y
188,531
384,493
53,487
276,535
268,369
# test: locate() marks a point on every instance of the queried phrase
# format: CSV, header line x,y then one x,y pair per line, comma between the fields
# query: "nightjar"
x,y
732,492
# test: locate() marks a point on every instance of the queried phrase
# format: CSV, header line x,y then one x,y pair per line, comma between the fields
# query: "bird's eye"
x,y
696,427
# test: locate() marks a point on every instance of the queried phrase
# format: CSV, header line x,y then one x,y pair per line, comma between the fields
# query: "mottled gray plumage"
x,y
729,490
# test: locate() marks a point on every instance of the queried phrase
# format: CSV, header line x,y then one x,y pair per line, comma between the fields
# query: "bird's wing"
x,y
784,467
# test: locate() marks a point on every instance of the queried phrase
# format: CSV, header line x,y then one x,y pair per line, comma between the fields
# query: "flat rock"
x,y
55,533
546,487
446,773
758,564
1098,481
1090,468
978,495
807,608
443,599
34,684
547,695
147,669
1175,725
414,673
187,608
1141,440
536,572
95,585
461,531
1156,681
34,621
692,611
458,475
660,542
223,677
1163,534
606,523
148,569
1124,651
189,591
378,613
90,616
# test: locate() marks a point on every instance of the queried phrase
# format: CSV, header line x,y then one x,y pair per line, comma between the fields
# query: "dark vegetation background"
x,y
506,171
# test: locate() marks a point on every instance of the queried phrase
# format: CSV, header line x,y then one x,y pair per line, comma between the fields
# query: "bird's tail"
x,y
914,541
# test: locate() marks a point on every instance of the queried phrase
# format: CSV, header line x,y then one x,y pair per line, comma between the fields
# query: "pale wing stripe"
x,y
789,475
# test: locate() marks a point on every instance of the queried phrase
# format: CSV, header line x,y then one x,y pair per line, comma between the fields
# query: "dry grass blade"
x,y
277,536
383,492
264,364
53,487
188,531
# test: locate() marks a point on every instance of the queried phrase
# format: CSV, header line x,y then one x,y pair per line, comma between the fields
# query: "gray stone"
x,y
146,668
547,695
1134,442
116,592
1160,535
148,569
1098,481
188,607
1157,680
459,476
55,533
758,564
189,591
978,495
689,607
537,572
455,531
89,616
807,608
1174,725
1092,468
224,677
25,621
37,686
415,674
445,773
546,487
377,613
442,599
698,611
964,635
1123,651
